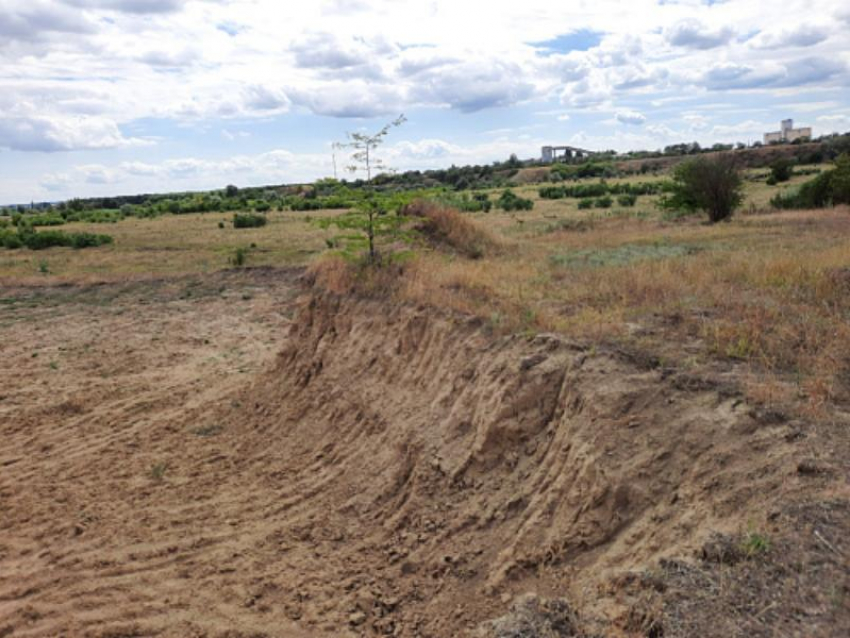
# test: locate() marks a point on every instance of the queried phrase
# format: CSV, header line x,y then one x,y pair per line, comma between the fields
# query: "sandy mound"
x,y
440,469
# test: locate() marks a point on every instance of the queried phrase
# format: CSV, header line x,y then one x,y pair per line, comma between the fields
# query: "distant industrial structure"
x,y
551,154
788,133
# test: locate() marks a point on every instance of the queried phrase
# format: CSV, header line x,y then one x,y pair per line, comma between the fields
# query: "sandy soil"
x,y
118,516
210,457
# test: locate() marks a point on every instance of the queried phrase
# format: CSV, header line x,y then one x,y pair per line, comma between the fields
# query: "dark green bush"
x,y
829,188
628,200
709,184
249,220
781,170
510,201
585,203
27,237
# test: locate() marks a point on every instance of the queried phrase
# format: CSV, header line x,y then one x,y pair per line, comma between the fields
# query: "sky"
x,y
108,97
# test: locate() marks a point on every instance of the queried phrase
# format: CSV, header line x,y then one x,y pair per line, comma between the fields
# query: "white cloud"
x,y
51,134
835,123
804,35
630,117
693,34
80,75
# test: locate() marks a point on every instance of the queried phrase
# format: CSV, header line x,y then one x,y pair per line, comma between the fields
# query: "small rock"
x,y
356,619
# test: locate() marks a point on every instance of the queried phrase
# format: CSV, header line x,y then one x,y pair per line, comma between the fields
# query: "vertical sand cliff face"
x,y
460,469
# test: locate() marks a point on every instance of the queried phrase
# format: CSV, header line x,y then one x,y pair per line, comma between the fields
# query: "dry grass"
x,y
167,246
445,226
768,292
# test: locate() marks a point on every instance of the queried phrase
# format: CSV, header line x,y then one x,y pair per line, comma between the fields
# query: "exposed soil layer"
x,y
182,458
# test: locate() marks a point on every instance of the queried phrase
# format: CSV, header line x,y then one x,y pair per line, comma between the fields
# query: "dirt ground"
x,y
215,456
116,515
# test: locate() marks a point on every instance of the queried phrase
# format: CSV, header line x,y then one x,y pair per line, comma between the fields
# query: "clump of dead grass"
x,y
343,276
446,226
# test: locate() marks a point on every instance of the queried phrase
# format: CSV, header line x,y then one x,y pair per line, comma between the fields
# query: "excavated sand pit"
x,y
390,471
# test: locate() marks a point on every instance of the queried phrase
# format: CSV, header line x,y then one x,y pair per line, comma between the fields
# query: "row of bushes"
x,y
603,188
562,172
28,238
607,201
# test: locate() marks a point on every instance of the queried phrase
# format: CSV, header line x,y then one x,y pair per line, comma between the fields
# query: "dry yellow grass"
x,y
770,291
168,245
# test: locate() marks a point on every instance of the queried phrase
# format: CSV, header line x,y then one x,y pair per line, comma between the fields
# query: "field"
x,y
196,448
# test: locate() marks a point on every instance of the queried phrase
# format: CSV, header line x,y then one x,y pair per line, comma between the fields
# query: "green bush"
x,y
510,201
27,237
585,203
604,202
709,184
248,220
781,170
829,188
46,219
627,200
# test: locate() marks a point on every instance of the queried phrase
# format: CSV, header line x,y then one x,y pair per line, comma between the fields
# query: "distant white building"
x,y
551,154
788,133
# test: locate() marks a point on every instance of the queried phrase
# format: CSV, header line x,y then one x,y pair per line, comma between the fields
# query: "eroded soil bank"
x,y
220,459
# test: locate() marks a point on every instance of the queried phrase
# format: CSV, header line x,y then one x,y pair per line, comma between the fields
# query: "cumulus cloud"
x,y
265,99
33,20
834,123
804,35
348,99
693,34
630,117
130,6
472,86
325,51
61,134
55,182
81,74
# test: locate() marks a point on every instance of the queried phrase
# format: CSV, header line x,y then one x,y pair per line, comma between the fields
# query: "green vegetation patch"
x,y
29,238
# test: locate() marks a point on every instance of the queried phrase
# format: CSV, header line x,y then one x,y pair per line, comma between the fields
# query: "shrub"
x,y
709,184
627,200
510,201
46,219
552,192
26,237
830,187
248,220
604,202
478,203
87,240
585,203
781,170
